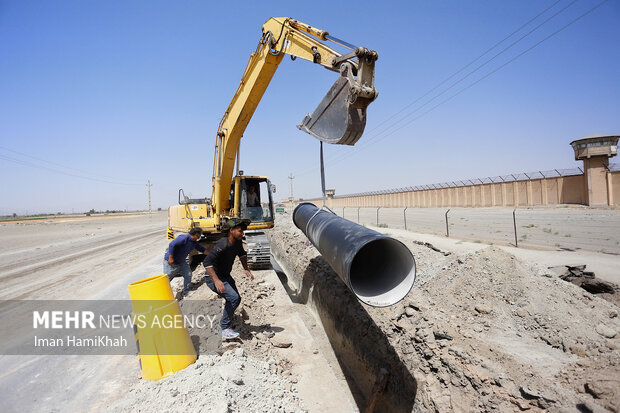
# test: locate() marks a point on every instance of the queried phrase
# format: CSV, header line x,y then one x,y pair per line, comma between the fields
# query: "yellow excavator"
x,y
340,119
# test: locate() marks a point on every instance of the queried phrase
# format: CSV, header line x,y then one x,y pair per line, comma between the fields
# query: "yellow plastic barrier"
x,y
164,344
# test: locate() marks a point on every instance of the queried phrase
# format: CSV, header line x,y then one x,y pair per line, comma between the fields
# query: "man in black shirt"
x,y
219,263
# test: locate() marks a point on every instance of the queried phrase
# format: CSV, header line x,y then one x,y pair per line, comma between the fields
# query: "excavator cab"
x,y
250,198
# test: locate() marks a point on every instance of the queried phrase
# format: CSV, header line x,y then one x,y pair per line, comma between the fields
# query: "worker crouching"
x,y
175,258
218,265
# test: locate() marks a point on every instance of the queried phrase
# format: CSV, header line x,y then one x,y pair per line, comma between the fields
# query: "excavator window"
x,y
255,199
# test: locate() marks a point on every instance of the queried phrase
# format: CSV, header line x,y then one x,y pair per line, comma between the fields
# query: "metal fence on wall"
x,y
569,229
523,176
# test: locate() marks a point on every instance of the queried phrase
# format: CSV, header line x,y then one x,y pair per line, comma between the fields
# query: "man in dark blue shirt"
x,y
219,263
175,259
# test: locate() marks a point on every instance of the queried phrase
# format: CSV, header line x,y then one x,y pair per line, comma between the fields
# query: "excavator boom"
x,y
340,117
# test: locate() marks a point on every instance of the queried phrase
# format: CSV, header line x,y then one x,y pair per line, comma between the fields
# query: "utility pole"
x,y
291,177
149,187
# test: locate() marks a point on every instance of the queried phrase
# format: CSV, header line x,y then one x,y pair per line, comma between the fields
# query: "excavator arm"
x,y
340,117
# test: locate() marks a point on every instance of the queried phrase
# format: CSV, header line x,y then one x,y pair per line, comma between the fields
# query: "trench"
x,y
361,347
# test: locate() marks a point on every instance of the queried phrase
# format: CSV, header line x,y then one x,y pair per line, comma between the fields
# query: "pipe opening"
x,y
382,272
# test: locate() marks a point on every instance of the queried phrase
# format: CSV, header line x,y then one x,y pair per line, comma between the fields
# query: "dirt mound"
x,y
226,377
485,331
233,382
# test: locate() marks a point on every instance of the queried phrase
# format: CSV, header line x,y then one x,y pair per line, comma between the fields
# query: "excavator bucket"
x,y
340,118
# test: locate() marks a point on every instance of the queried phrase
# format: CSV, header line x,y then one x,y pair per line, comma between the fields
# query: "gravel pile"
x,y
242,375
484,331
233,382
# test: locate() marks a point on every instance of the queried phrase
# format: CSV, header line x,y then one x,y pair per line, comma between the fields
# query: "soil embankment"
x,y
479,331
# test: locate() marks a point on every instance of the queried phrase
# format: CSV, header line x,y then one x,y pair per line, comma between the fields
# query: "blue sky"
x,y
97,97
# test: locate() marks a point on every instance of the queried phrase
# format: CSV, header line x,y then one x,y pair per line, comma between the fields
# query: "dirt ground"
x,y
485,331
52,259
249,374
481,330
96,260
87,259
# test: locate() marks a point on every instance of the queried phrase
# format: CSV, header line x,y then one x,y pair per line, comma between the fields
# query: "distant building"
x,y
595,151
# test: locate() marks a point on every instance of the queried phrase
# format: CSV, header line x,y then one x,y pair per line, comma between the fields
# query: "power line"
x,y
42,160
496,69
32,165
378,137
368,141
467,65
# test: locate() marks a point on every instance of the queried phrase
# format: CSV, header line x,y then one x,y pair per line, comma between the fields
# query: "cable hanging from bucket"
x,y
323,192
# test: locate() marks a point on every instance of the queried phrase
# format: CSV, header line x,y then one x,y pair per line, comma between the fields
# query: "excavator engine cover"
x,y
340,118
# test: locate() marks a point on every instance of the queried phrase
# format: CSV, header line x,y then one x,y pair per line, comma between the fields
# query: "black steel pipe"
x,y
378,269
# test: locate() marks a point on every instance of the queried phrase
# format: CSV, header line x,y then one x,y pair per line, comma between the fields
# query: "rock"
x,y
228,374
482,309
440,335
597,286
281,342
613,344
425,334
588,407
578,351
220,406
521,405
600,389
521,312
530,394
605,331
239,352
409,311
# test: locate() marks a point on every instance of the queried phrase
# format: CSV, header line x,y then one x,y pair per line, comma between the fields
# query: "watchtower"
x,y
595,151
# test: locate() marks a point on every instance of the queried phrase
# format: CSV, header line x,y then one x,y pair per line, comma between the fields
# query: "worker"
x,y
218,265
252,197
175,258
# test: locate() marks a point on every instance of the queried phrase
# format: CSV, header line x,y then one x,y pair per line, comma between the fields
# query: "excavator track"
x,y
258,250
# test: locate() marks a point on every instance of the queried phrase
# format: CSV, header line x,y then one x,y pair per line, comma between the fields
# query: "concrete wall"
x,y
596,180
547,191
614,187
